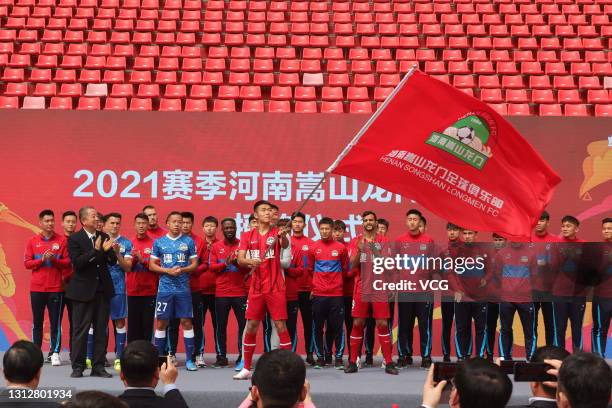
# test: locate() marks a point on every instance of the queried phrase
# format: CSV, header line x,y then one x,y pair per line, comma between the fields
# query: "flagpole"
x,y
371,120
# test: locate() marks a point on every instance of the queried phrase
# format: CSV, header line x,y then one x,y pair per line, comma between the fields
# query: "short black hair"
x,y
339,224
45,213
414,211
368,212
111,215
279,376
223,221
571,219
261,202
606,220
171,213
424,220
482,384
187,214
549,353
298,215
274,206
251,218
22,361
383,222
96,399
211,219
139,363
496,235
68,213
147,207
141,216
326,221
451,226
545,215
585,378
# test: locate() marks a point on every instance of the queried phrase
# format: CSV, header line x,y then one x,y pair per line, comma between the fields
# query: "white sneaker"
x,y
55,359
358,362
199,361
244,374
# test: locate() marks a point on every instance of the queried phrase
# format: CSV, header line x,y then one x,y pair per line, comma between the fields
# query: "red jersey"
x,y
194,277
348,281
268,276
140,281
67,270
46,274
208,278
330,267
365,256
304,243
295,271
568,281
545,257
230,278
515,266
467,279
415,246
157,232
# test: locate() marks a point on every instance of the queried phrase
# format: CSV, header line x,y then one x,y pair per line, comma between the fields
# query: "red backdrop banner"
x,y
220,164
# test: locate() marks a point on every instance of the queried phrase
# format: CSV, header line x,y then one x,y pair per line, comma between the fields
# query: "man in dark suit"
x,y
543,395
90,290
22,366
140,372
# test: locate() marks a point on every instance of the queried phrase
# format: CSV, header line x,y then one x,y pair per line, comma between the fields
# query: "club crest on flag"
x,y
467,138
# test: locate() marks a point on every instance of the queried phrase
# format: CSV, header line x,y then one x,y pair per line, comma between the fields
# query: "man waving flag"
x,y
454,155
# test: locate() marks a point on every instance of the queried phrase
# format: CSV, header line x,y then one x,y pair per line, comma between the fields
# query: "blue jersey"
x,y
173,252
116,272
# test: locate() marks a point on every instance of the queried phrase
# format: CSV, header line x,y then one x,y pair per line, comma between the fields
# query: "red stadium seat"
x,y
88,103
603,110
360,107
58,102
306,107
253,106
141,104
279,106
200,92
170,105
332,107
122,91
118,104
575,110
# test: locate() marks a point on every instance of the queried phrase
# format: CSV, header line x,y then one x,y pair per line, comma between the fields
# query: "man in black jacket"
x,y
90,290
140,373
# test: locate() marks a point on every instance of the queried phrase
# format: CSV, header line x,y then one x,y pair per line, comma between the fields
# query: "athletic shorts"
x,y
118,306
275,303
173,306
377,310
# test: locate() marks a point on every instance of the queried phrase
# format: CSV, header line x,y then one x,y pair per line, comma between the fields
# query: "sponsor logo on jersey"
x,y
334,253
183,247
524,259
55,247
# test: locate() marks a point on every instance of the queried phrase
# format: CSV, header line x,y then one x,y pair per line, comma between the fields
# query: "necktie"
x,y
93,241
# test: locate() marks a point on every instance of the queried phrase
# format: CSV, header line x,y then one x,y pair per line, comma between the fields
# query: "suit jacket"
x,y
88,266
144,398
6,402
537,404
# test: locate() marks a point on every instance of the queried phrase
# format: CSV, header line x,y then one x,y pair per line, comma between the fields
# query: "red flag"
x,y
455,156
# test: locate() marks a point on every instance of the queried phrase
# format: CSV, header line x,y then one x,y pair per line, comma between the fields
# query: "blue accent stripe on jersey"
x,y
328,266
515,271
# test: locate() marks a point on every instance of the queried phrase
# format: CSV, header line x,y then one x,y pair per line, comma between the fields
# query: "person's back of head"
x,y
539,389
95,399
139,364
22,363
480,384
278,380
584,382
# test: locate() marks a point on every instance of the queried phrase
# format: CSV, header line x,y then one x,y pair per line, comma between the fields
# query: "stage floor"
x,y
211,387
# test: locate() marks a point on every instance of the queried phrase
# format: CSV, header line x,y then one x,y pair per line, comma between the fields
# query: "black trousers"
x,y
95,312
448,315
348,327
602,312
465,312
305,305
292,314
549,322
408,312
328,312
201,304
141,317
52,301
67,305
492,316
527,314
223,305
572,309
